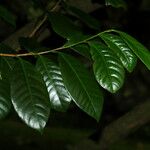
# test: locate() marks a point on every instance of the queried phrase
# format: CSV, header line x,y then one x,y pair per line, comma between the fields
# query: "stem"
x,y
46,52
56,49
38,26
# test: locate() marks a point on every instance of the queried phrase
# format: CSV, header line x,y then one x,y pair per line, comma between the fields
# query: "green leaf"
x,y
84,17
64,27
59,96
29,95
81,86
116,3
82,49
122,50
5,101
6,66
7,16
108,69
142,52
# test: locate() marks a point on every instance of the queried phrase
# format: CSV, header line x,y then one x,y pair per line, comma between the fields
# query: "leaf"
x,y
6,66
59,96
7,16
107,67
142,52
82,49
5,101
84,17
29,95
116,3
122,50
64,27
81,86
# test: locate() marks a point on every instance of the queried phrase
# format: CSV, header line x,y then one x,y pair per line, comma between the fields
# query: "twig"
x,y
38,26
52,50
43,20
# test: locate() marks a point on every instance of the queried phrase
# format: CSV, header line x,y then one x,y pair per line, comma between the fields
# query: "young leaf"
x,y
122,50
59,96
116,3
29,95
7,16
142,52
81,86
5,101
108,69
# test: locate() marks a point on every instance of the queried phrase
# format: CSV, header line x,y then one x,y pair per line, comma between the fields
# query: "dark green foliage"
x,y
53,81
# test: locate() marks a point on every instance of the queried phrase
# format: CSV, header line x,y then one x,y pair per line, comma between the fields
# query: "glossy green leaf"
x,y
108,69
116,3
122,50
65,28
81,86
82,49
29,95
59,96
7,16
142,52
84,17
5,101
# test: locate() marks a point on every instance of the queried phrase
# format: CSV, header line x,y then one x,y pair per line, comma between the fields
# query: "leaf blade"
x,y
29,95
107,68
5,101
76,77
64,27
59,96
141,51
122,50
